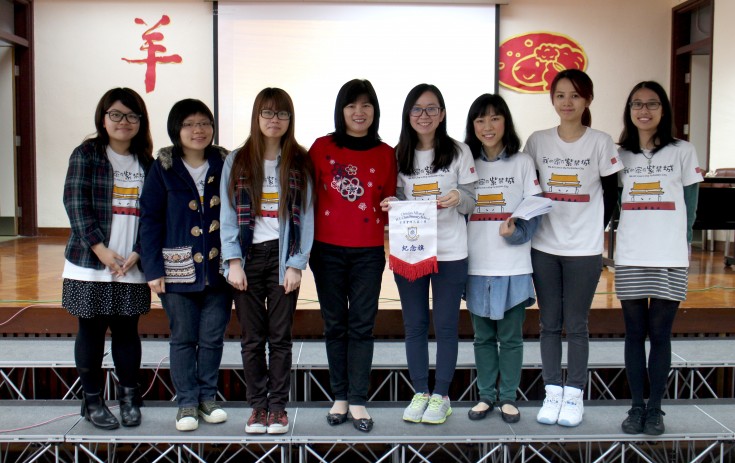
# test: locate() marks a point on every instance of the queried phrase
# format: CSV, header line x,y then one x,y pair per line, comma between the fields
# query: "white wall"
x,y
699,105
7,140
79,46
80,43
722,125
626,41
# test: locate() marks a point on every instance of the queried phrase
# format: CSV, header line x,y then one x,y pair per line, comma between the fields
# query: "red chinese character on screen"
x,y
153,48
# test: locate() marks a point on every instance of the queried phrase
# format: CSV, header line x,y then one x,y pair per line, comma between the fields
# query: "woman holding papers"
x,y
103,284
267,230
433,166
499,286
658,206
354,172
576,166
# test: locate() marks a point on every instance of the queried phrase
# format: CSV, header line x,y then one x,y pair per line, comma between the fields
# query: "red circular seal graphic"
x,y
529,62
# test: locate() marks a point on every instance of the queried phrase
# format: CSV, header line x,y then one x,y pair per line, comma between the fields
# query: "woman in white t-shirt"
x,y
576,166
267,221
103,285
658,206
499,286
429,161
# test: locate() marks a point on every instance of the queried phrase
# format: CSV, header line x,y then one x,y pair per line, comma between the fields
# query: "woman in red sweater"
x,y
355,171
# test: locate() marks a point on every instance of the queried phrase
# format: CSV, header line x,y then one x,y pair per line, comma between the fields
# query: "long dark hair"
x,y
445,149
349,93
665,131
141,145
480,108
249,160
582,84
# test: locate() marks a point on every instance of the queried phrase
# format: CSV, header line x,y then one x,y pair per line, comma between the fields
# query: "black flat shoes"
x,y
363,424
336,418
509,411
474,416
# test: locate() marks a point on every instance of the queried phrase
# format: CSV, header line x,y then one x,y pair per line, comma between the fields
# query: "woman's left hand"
x,y
450,199
507,227
292,279
132,259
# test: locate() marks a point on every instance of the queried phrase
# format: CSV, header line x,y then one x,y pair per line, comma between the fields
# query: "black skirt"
x,y
88,299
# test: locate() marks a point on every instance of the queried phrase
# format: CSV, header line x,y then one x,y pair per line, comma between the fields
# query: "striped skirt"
x,y
651,282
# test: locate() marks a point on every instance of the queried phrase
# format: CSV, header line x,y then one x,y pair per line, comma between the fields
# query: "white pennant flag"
x,y
412,238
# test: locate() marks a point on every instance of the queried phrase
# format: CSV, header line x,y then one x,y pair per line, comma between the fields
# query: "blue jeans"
x,y
348,285
447,287
198,321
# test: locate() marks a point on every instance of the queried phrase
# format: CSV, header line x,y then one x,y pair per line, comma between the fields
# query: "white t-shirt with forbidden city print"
x,y
501,187
425,185
653,218
569,174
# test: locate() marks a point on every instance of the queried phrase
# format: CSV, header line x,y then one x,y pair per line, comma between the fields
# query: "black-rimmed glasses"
x,y
117,116
650,105
431,111
270,114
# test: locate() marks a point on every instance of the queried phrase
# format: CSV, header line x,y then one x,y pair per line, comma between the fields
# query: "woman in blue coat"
x,y
181,258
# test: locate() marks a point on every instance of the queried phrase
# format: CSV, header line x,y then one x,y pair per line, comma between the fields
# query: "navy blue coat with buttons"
x,y
179,234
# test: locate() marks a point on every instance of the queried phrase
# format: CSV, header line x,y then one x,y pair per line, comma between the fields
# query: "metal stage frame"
x,y
697,431
695,364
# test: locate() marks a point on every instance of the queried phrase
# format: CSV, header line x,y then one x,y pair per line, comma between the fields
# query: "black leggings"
x,y
654,321
89,349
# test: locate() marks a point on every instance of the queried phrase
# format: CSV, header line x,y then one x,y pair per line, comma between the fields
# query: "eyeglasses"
x,y
198,125
431,111
117,116
270,114
650,105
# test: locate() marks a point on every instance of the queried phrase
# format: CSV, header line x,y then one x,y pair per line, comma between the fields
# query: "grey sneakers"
x,y
425,409
437,411
415,410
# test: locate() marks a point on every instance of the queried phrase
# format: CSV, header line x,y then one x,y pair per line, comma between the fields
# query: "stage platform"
x,y
30,295
700,368
695,431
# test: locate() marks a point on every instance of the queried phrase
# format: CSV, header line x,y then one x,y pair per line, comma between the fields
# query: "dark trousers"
x,y
265,313
653,320
447,287
89,348
565,286
348,285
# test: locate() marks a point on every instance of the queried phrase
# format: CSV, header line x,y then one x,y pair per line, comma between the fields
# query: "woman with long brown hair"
x,y
267,228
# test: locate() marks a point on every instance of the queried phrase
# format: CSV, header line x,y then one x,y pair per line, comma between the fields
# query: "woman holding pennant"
x,y
433,166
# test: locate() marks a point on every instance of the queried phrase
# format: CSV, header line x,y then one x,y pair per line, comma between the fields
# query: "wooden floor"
x,y
30,281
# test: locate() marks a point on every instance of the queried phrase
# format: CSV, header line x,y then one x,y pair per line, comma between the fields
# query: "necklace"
x,y
647,156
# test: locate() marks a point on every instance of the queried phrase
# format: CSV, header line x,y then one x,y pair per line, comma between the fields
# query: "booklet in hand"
x,y
532,206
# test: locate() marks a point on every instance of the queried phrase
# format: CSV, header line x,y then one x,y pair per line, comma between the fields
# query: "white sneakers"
x,y
549,413
572,408
563,406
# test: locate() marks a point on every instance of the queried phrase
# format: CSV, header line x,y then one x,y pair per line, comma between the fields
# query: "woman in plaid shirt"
x,y
103,286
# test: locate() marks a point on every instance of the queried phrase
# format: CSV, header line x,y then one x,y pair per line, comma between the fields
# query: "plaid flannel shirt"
x,y
88,203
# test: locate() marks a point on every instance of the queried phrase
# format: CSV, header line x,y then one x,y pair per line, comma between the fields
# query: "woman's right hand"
x,y
237,277
385,203
158,285
110,259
